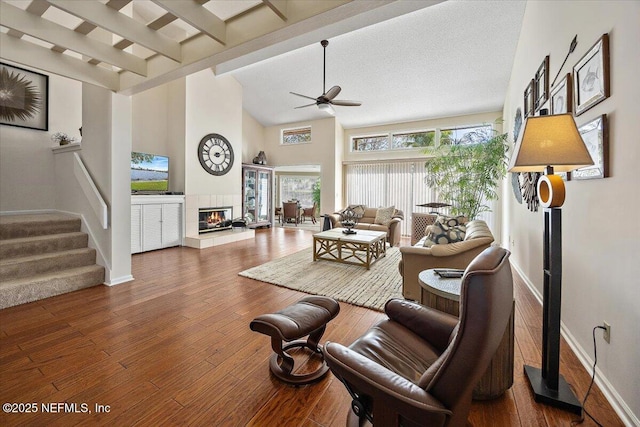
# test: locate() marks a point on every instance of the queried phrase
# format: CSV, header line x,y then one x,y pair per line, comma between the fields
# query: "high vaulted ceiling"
x,y
405,60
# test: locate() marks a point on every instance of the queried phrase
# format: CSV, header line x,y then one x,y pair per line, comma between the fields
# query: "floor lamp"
x,y
547,144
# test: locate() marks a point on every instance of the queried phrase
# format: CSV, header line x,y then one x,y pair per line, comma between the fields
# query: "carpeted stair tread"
x,y
37,287
26,246
15,268
16,226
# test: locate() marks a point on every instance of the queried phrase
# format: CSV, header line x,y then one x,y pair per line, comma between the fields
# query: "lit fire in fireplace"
x,y
214,219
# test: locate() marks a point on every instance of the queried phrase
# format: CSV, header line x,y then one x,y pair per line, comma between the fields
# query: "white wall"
x,y
176,131
106,153
320,151
159,127
212,105
601,236
26,160
252,137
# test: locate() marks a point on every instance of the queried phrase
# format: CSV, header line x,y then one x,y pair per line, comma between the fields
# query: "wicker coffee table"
x,y
363,248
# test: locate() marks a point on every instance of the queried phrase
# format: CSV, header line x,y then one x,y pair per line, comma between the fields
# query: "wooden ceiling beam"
x,y
279,7
36,7
115,22
63,39
197,16
41,58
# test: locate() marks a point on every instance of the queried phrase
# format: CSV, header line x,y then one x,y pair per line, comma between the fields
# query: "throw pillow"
x,y
385,215
451,221
442,234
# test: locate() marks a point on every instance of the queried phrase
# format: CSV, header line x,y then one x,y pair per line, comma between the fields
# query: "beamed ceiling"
x,y
128,46
404,59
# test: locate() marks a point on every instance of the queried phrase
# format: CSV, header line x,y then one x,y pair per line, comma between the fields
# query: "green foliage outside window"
x,y
316,194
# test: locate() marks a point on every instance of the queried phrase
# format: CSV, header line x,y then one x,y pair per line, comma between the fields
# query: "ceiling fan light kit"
x,y
326,101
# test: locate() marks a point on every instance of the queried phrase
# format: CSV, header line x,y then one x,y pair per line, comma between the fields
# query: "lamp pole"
x,y
548,385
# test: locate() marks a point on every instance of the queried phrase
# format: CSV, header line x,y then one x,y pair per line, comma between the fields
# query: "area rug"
x,y
348,283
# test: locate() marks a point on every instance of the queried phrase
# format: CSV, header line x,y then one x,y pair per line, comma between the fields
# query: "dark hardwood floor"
x,y
174,347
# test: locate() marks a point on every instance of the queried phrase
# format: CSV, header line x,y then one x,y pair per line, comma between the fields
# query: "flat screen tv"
x,y
149,173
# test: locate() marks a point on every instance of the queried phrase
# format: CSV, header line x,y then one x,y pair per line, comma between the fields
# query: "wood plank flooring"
x,y
174,347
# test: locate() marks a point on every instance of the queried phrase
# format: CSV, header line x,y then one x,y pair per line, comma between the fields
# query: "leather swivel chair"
x,y
419,366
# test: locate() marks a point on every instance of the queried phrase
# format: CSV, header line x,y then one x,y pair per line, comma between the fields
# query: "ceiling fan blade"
x,y
332,93
308,105
346,103
304,96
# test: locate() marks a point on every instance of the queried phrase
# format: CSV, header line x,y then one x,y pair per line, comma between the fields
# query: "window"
x,y
371,143
401,184
296,136
414,139
421,139
464,135
297,187
394,141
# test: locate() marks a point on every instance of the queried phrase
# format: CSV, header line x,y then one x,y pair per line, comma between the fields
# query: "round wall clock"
x,y
215,154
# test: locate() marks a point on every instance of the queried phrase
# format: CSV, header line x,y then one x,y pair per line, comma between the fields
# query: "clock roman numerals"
x,y
215,154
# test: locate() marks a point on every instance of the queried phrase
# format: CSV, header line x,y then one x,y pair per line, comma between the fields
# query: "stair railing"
x,y
91,191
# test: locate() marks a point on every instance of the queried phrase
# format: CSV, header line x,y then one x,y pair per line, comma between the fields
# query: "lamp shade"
x,y
549,141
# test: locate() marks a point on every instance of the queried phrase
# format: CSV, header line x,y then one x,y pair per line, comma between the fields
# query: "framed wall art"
x,y
595,135
24,98
562,96
591,76
528,100
541,84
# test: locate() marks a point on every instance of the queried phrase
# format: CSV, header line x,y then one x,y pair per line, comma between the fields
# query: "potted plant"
x,y
467,172
62,138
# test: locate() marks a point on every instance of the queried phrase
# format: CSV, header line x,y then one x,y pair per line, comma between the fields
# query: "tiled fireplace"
x,y
206,217
214,219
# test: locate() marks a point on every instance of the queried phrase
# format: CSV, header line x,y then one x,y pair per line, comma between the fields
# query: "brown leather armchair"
x,y
419,366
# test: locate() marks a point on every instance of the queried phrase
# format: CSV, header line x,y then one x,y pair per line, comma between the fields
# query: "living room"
x,y
600,273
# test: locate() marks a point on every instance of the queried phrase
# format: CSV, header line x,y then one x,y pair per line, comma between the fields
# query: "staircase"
x,y
44,255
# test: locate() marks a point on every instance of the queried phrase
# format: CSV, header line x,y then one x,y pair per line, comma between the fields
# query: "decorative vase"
x,y
260,159
349,219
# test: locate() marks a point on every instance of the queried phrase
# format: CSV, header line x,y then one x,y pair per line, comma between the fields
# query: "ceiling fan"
x,y
326,101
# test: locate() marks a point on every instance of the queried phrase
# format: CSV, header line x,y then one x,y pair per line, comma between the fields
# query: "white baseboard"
x,y
118,280
615,400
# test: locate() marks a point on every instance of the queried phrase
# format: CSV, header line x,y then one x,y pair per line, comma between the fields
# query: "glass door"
x,y
262,213
250,195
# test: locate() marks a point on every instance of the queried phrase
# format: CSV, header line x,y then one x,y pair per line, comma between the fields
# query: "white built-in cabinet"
x,y
156,222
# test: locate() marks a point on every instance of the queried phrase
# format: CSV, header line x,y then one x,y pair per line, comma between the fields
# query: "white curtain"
x,y
399,184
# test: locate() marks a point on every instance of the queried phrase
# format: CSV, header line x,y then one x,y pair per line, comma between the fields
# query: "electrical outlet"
x,y
607,332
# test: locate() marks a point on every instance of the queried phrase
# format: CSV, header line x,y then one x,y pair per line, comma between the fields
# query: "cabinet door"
x,y
151,227
263,195
136,232
250,196
171,224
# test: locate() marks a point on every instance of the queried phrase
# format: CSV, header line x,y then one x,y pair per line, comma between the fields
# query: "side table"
x,y
419,222
443,294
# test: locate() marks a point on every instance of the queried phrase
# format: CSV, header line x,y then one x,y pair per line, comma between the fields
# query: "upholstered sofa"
x,y
416,258
368,222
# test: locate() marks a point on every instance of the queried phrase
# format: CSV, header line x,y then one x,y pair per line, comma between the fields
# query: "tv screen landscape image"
x,y
149,172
